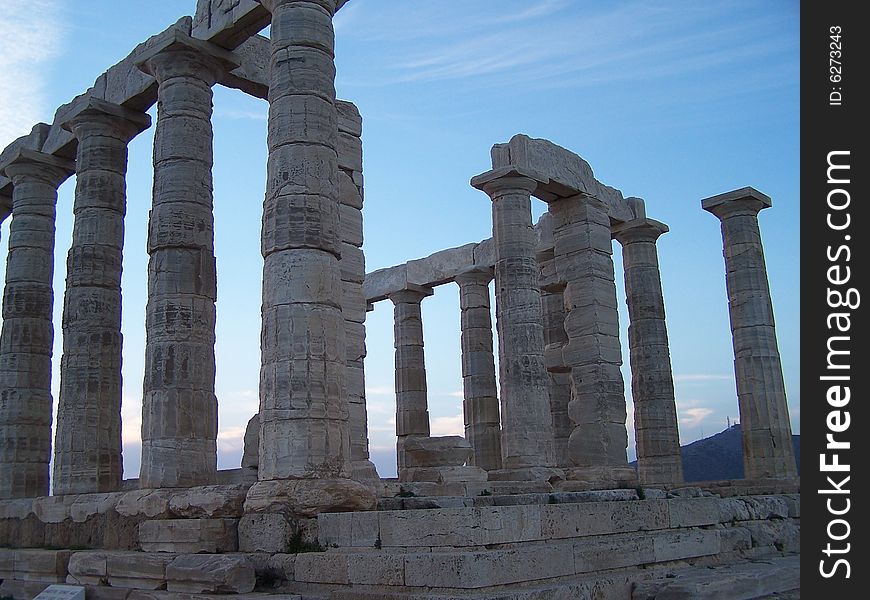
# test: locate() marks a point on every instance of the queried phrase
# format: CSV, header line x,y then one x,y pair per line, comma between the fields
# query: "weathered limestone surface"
x,y
767,445
527,429
412,408
582,255
179,412
27,334
553,320
189,535
652,380
561,173
87,452
353,301
436,269
480,394
210,574
304,431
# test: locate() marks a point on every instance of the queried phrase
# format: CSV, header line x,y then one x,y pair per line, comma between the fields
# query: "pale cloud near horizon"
x,y
32,36
692,417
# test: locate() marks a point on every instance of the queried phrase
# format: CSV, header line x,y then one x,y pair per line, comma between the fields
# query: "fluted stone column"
x,y
527,429
87,450
412,405
27,334
583,256
652,381
179,408
767,442
304,430
480,394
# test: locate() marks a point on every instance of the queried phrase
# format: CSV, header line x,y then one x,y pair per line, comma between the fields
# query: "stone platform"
x,y
536,546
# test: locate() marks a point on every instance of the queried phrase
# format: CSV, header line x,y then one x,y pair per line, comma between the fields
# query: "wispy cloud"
x,y
32,35
454,425
692,417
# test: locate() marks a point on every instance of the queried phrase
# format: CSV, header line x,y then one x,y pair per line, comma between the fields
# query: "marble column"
x,y
87,450
652,382
767,440
480,394
412,405
27,335
304,429
583,256
179,408
527,427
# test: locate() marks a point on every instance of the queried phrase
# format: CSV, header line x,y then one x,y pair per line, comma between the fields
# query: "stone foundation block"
x,y
49,566
693,512
469,570
189,535
678,545
210,574
267,532
137,570
88,568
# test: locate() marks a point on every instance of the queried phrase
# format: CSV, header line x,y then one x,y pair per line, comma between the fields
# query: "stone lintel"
x,y
229,23
637,206
622,231
175,39
32,156
714,204
87,105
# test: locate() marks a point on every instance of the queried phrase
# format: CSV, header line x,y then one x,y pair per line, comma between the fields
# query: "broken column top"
x,y
714,203
560,173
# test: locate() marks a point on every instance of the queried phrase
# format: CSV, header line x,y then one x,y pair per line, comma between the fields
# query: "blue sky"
x,y
672,101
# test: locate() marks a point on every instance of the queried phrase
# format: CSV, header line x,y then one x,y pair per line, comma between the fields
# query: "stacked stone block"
x,y
480,392
28,333
179,411
582,247
767,443
352,269
527,428
652,381
87,453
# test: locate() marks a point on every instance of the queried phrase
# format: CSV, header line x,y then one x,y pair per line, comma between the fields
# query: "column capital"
x,y
412,294
88,114
330,5
745,201
174,52
25,164
638,230
509,180
475,275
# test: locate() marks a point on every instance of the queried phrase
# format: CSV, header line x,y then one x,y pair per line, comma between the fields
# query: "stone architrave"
x,y
583,257
527,428
179,408
412,407
87,450
28,333
304,430
652,382
767,441
480,393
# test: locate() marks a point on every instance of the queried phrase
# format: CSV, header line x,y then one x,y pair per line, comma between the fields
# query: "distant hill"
x,y
721,456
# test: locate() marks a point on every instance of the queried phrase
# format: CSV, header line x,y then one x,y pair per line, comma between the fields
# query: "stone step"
x,y
742,581
454,568
494,525
48,566
189,535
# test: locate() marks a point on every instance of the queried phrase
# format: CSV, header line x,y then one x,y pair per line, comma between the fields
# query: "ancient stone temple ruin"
x,y
536,501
